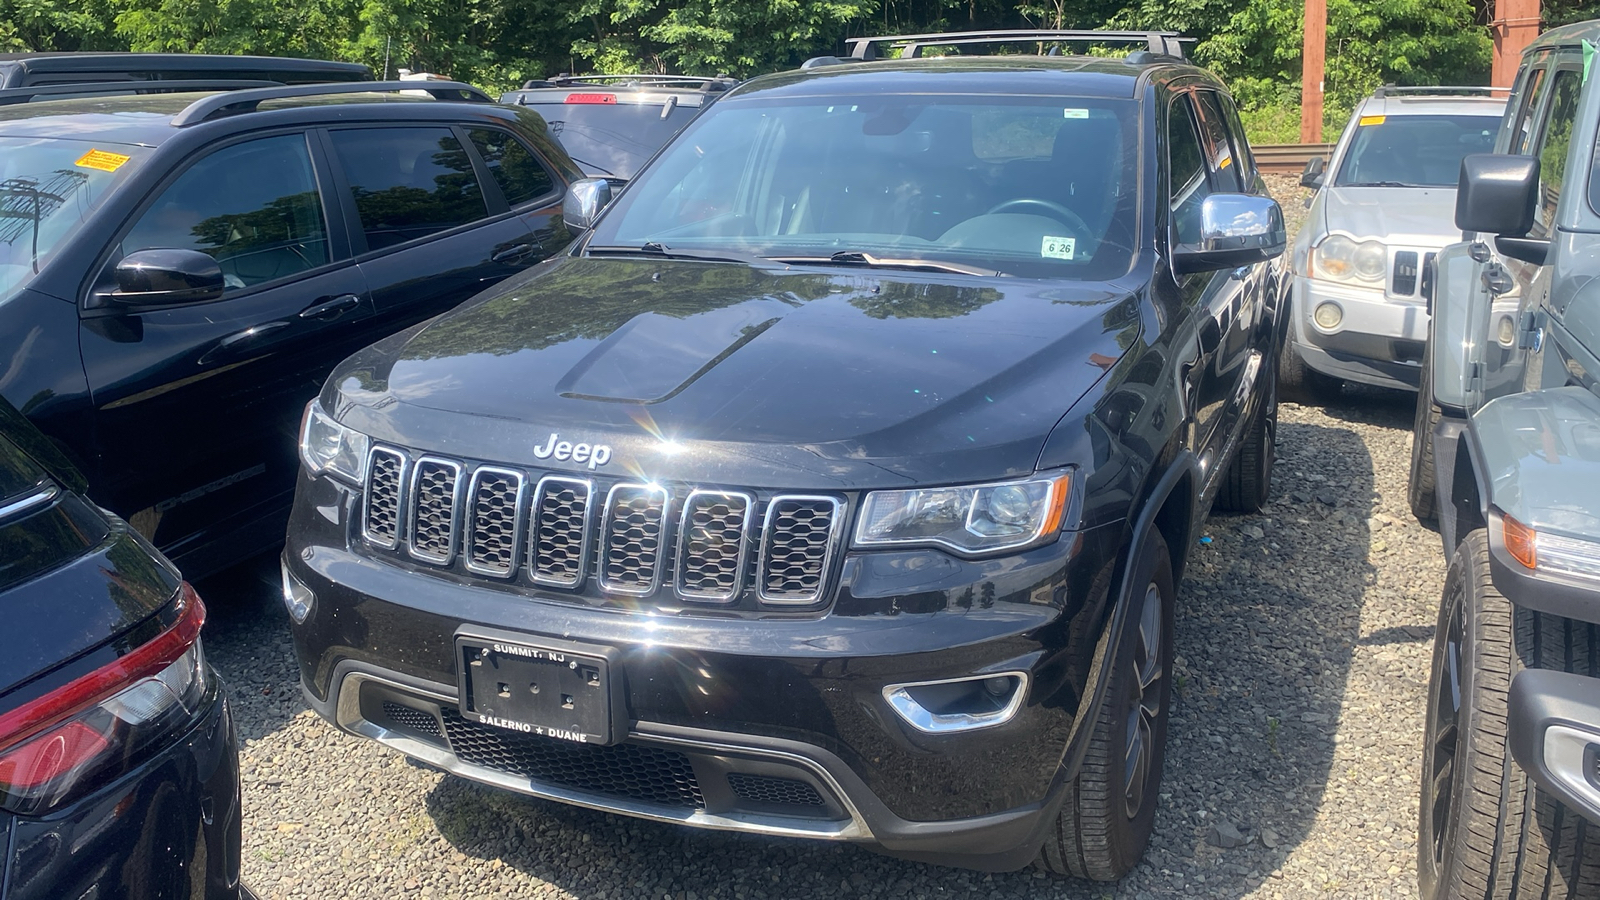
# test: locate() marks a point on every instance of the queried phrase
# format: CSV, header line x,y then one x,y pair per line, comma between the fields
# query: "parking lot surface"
x,y
1304,636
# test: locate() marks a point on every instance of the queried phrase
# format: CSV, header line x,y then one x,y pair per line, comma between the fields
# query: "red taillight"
x,y
33,717
592,98
55,755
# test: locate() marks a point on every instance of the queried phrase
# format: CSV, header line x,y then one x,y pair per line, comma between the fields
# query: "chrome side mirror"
x,y
1235,230
585,200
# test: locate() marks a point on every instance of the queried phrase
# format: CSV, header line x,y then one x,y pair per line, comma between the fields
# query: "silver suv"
x,y
1382,210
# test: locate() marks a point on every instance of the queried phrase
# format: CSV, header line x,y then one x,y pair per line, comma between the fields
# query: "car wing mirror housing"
x,y
1235,230
586,199
1316,169
1496,193
161,277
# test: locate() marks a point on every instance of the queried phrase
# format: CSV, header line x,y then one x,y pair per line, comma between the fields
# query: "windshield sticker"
x,y
1372,120
1058,247
1075,113
102,160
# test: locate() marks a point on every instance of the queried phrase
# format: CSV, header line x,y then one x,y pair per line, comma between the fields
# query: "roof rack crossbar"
x,y
219,105
1393,90
1166,43
10,96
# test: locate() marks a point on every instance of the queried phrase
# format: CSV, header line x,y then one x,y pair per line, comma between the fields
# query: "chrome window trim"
x,y
682,543
40,496
605,542
584,540
469,514
455,511
827,554
399,500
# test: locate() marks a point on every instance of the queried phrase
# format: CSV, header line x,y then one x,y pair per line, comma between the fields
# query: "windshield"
x,y
1032,186
48,187
1414,151
612,140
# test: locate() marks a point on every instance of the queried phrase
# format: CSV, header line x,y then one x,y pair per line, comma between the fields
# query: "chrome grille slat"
x,y
386,478
797,545
558,535
633,534
713,545
494,523
435,504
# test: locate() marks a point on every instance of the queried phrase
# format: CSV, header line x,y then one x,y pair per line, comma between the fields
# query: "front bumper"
x,y
1554,733
772,725
169,830
1378,341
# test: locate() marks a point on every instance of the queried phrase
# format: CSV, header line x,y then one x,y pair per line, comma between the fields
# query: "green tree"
x,y
739,37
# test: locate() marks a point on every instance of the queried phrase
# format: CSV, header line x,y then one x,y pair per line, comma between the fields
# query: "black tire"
x,y
1420,487
1485,829
1106,821
1248,480
1301,383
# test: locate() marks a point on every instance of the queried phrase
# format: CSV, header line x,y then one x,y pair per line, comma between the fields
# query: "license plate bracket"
x,y
541,686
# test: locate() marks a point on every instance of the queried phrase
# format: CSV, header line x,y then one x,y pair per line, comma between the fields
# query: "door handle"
x,y
240,340
328,309
513,252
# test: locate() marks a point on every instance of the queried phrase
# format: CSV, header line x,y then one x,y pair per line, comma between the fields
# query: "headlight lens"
x,y
979,518
327,446
1341,259
1371,259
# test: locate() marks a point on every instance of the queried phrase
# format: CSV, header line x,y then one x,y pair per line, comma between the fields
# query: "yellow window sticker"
x,y
1058,247
1372,120
103,160
1075,113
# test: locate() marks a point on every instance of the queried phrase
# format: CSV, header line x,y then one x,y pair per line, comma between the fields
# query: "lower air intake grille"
x,y
796,544
630,771
414,720
631,552
381,522
1405,273
434,512
766,789
492,536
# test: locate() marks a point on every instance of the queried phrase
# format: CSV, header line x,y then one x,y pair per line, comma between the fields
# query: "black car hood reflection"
x,y
733,373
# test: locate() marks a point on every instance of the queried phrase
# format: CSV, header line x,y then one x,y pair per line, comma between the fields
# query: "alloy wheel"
x,y
1444,731
1147,663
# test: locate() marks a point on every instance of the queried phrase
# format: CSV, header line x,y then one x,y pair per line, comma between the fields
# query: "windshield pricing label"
x,y
102,160
1058,247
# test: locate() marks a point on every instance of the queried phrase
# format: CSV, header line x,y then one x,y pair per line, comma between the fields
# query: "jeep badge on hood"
x,y
593,454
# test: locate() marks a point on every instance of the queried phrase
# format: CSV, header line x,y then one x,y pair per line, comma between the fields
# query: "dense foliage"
x,y
1255,44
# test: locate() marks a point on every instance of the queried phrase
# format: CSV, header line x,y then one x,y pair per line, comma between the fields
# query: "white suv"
x,y
1383,209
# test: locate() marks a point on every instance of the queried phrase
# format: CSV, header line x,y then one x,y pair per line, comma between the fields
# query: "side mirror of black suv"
x,y
163,276
1235,230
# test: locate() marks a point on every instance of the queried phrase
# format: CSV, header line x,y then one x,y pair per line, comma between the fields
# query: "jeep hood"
x,y
799,377
1423,217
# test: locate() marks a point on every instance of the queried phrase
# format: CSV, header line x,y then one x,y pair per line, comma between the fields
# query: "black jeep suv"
x,y
838,483
180,272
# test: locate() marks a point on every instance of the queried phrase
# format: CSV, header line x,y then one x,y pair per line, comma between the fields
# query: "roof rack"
x,y
703,82
10,96
218,105
1165,43
1392,90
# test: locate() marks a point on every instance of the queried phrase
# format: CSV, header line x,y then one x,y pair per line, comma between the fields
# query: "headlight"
x,y
327,446
970,519
1341,259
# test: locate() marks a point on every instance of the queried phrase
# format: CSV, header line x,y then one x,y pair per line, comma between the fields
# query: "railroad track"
x,y
1286,159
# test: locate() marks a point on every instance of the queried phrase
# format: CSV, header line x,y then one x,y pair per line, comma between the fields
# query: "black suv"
x,y
612,124
838,483
18,70
180,272
119,771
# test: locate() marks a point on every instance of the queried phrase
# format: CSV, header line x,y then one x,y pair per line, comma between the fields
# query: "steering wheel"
x,y
1066,216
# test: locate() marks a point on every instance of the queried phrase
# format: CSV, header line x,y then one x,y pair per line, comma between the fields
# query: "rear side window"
x,y
1187,165
513,166
253,207
408,183
1554,140
1532,92
1219,149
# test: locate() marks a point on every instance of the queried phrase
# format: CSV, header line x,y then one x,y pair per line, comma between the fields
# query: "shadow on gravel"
x,y
247,641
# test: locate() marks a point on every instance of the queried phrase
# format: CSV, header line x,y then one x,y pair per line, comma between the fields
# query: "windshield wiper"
x,y
862,258
1381,184
658,249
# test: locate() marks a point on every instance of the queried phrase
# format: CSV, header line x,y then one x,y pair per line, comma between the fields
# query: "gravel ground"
x,y
1292,767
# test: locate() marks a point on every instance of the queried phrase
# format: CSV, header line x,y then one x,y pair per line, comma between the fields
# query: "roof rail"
x,y
1166,43
10,96
706,82
1392,90
218,105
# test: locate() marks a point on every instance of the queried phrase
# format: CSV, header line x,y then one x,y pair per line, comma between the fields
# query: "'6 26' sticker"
x,y
1058,247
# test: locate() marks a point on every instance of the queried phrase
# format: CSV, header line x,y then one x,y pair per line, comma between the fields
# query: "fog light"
x,y
1328,315
959,704
296,597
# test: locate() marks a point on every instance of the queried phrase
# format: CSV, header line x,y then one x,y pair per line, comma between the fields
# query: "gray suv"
x,y
1507,458
1381,212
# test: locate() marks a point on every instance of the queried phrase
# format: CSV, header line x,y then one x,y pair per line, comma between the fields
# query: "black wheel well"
x,y
1174,520
1464,494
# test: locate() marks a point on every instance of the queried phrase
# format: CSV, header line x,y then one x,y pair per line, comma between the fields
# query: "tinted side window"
x,y
1532,92
1554,138
1219,149
253,207
408,183
513,166
1241,146
1186,164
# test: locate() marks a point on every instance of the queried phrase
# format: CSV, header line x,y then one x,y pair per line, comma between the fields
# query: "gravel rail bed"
x,y
1304,636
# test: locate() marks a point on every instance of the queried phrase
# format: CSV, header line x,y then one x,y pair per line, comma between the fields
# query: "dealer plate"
x,y
554,689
